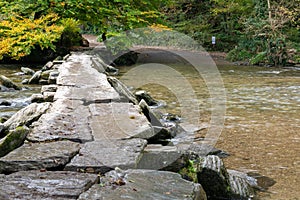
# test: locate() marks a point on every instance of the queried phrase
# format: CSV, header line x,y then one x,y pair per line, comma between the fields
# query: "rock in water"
x,y
13,140
8,83
146,96
144,184
26,115
241,184
122,89
213,176
27,71
35,78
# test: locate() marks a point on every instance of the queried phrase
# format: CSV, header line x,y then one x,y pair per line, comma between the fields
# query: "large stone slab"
x,y
105,155
146,185
66,119
32,156
118,121
158,157
89,95
59,185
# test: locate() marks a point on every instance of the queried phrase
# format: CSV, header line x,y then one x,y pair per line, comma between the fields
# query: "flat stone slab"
x,y
59,185
102,156
33,156
157,157
146,185
95,94
119,121
66,119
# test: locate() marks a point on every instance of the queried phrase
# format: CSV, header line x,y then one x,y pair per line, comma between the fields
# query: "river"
x,y
17,99
262,122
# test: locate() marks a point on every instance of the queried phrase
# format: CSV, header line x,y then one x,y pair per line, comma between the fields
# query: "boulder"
x,y
25,81
27,71
202,149
45,74
1,125
146,96
43,82
37,98
242,185
26,115
151,116
37,156
158,157
213,176
122,90
47,66
53,77
49,88
48,96
144,184
59,185
13,140
8,83
5,103
103,156
35,78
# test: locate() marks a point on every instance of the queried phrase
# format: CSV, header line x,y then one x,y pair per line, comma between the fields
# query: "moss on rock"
x,y
13,140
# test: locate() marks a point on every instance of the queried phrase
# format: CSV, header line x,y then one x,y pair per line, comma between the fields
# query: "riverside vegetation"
x,y
254,31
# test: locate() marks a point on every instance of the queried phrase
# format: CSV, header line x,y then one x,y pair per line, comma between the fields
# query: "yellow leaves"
x,y
18,36
159,27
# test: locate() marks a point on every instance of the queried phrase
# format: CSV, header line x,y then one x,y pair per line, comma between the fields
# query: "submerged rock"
x,y
8,83
144,184
59,185
13,140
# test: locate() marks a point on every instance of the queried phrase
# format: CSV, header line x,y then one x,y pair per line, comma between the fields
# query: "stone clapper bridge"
x,y
87,131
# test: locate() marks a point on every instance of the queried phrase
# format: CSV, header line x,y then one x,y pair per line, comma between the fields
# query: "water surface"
x,y
262,122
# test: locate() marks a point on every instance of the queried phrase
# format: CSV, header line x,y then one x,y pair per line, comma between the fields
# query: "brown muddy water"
x,y
262,122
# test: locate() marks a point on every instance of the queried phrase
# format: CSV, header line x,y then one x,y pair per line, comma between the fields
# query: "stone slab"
x,y
59,185
119,121
65,120
105,155
87,94
158,157
146,185
33,156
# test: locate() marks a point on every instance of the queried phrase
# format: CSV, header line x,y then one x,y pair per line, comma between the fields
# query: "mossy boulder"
x,y
13,140
8,83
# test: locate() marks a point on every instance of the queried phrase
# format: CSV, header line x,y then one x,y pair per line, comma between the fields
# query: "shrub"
x,y
19,36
